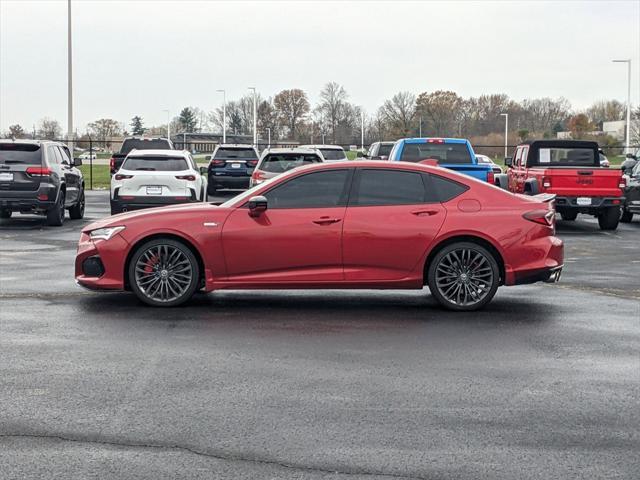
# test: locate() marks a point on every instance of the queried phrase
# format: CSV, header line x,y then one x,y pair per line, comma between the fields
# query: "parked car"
x,y
86,156
41,177
486,160
330,153
452,153
571,170
379,150
275,161
231,166
151,178
359,224
137,143
631,193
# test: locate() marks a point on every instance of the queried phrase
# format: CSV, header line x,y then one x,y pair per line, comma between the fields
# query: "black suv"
x,y
231,166
40,177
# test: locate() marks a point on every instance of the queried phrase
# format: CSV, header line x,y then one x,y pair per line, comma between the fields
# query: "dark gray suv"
x,y
40,177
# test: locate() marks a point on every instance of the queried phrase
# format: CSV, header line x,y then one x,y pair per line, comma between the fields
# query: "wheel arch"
x,y
185,241
483,242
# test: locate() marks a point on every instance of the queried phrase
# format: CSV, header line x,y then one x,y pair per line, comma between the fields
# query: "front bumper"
x,y
99,264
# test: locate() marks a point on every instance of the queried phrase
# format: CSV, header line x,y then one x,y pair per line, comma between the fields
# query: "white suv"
x,y
330,153
152,178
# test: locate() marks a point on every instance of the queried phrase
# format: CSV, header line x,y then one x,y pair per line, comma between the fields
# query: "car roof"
x,y
158,153
328,147
28,141
310,151
561,143
425,139
235,145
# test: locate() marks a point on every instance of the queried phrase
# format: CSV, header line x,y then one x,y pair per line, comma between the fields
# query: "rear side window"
x,y
20,153
447,153
159,164
142,144
333,154
279,163
568,157
446,189
388,187
320,189
236,154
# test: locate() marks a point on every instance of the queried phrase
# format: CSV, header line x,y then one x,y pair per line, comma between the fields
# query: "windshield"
x,y
160,164
145,144
385,149
333,154
279,163
236,154
447,153
20,153
568,157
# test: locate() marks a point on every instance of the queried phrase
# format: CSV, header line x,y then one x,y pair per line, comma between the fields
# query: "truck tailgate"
x,y
590,182
477,171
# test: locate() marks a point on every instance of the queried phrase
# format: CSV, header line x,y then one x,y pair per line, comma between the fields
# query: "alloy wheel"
x,y
464,277
164,273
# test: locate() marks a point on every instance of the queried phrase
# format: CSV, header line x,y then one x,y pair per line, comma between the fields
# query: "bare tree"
x,y
399,113
541,114
49,128
292,106
606,111
16,131
333,105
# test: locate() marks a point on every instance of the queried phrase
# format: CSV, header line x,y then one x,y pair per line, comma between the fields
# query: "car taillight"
x,y
38,171
622,183
252,163
543,217
491,178
112,165
435,140
191,178
216,162
121,176
546,182
258,175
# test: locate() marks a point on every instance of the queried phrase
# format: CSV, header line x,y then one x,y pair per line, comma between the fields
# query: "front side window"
x,y
280,163
388,187
64,156
319,189
159,164
446,153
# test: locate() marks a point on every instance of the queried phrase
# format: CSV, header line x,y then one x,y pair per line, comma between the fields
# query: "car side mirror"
x,y
204,171
257,206
76,162
508,161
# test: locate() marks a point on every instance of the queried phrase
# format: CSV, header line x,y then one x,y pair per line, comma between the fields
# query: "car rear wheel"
x,y
55,215
5,213
609,218
164,273
569,216
77,211
626,216
463,276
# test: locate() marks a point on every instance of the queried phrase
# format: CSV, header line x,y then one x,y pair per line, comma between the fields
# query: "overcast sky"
x,y
140,57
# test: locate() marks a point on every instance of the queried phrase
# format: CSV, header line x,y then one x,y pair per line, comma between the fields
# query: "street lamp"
x,y
255,118
224,115
628,129
506,131
168,125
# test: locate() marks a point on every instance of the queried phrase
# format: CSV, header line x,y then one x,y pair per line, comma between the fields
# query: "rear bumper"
x,y
120,204
222,180
28,201
539,260
596,203
546,275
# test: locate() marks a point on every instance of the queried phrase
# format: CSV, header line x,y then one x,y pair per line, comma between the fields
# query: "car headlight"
x,y
104,233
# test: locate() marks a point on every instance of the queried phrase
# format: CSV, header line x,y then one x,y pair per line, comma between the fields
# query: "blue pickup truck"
x,y
453,153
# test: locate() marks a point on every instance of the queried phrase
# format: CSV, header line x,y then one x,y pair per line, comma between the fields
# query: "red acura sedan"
x,y
359,224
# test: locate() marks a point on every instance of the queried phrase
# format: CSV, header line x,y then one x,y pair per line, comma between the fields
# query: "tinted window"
x,y
320,189
333,154
279,163
63,155
236,153
567,157
455,153
145,144
385,149
20,153
54,155
388,187
446,189
160,164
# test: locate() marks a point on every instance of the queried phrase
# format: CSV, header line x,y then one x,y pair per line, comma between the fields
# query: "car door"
x,y
392,218
71,177
298,239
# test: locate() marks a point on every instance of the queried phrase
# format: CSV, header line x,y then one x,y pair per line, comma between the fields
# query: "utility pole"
x,y
69,78
269,134
362,129
224,115
506,131
255,118
628,129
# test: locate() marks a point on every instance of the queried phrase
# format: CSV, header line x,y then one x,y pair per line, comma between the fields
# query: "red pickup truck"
x,y
571,170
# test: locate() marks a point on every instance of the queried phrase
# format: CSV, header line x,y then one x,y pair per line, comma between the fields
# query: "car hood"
x,y
128,217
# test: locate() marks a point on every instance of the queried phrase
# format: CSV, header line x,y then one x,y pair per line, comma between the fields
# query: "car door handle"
x,y
424,213
326,221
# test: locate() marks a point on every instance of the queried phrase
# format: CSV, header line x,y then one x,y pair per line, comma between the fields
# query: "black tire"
x,y
459,267
569,216
609,218
211,189
77,211
5,213
176,281
55,215
626,217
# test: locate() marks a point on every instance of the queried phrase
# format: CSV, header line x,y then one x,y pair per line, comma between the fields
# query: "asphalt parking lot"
x,y
543,383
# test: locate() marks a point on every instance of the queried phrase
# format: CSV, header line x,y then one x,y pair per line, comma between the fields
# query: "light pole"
x,y
506,131
255,118
628,129
224,115
420,134
269,136
362,130
69,77
168,125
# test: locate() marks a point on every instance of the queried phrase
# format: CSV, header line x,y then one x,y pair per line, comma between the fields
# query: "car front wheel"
x,y
55,215
463,276
164,273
